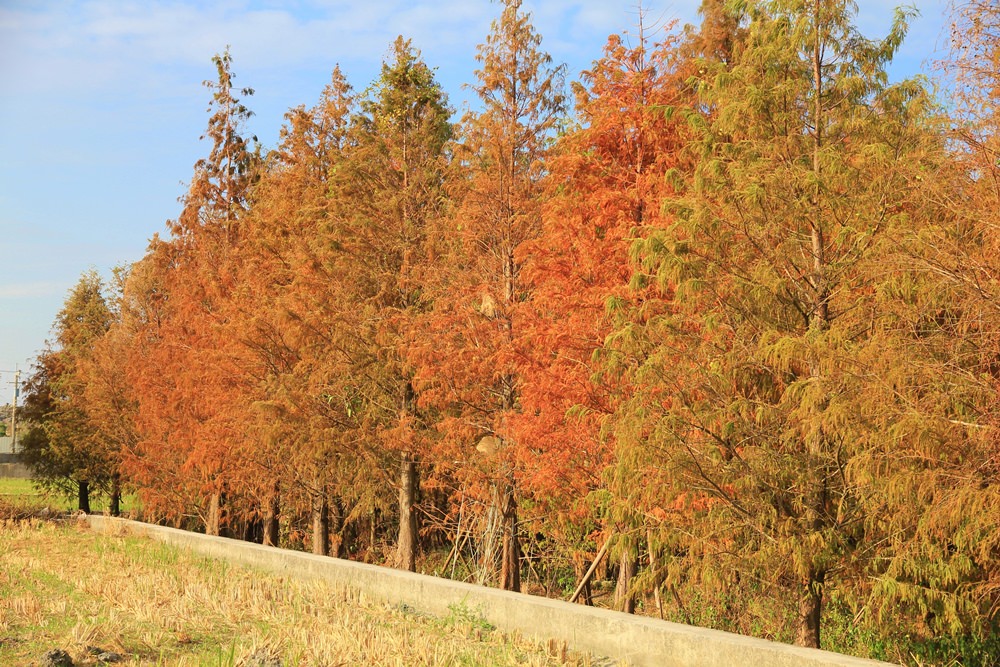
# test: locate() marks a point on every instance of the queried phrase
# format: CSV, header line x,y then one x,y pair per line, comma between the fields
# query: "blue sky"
x,y
102,104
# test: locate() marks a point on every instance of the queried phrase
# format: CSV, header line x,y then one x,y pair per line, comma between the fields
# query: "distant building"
x,y
10,461
9,464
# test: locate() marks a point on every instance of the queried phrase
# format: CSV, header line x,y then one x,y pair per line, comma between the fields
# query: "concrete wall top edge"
x,y
619,635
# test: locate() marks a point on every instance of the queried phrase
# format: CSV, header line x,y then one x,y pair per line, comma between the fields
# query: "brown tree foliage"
x,y
734,323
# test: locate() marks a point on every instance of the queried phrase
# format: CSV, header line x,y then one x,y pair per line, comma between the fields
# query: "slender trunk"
x,y
585,592
272,527
337,540
821,309
811,597
407,541
406,551
115,506
224,515
628,566
321,524
510,568
83,496
373,531
214,524
490,539
810,611
585,583
657,575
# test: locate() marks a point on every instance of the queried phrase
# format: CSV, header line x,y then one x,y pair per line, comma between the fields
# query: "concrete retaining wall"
x,y
638,640
14,470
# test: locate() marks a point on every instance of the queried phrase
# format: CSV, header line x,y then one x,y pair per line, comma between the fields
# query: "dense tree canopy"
x,y
726,331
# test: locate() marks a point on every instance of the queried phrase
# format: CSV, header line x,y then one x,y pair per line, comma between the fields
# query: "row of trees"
x,y
733,322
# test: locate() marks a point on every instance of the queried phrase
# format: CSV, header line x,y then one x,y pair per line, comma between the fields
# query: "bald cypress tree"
x,y
191,379
937,484
294,338
385,193
466,359
750,402
64,446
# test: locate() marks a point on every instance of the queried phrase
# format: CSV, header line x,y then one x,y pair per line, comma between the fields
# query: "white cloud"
x,y
103,43
32,290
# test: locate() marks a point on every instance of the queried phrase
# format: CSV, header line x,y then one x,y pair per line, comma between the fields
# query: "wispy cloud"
x,y
32,290
95,43
104,44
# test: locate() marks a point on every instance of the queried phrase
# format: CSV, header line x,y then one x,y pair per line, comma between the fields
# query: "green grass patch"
x,y
26,494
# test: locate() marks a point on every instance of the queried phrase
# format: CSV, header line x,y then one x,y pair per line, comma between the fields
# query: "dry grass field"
x,y
63,586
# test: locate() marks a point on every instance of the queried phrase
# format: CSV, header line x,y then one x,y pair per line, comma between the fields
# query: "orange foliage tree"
x,y
467,359
292,305
188,373
605,180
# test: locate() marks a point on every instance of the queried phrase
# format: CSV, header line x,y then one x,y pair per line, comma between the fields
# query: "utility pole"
x,y
13,409
13,412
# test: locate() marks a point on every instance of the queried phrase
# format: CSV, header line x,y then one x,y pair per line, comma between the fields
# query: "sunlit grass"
x,y
25,493
63,586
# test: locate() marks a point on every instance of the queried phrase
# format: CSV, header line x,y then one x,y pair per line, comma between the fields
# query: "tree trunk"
x,y
214,524
811,597
336,513
586,594
83,496
321,524
510,568
373,534
810,608
406,545
272,526
657,575
115,505
253,530
627,568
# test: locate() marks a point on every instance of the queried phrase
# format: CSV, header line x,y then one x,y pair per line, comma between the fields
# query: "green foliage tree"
x,y
749,385
388,188
63,445
937,484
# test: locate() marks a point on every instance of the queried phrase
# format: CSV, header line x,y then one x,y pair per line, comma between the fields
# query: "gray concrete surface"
x,y
638,640
10,468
